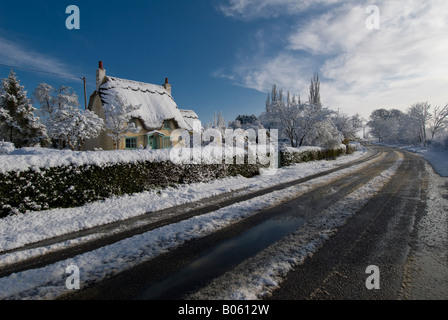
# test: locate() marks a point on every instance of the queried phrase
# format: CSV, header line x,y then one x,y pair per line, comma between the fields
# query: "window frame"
x,y
134,139
167,125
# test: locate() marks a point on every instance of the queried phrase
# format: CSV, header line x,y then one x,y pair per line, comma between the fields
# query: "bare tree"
x,y
438,120
419,115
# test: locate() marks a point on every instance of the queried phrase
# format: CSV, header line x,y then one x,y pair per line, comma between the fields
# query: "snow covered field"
x,y
48,282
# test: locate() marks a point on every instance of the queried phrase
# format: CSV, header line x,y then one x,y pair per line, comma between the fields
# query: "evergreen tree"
x,y
18,123
268,102
314,98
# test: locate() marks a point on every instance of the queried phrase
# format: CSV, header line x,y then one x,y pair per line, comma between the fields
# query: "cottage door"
x,y
152,142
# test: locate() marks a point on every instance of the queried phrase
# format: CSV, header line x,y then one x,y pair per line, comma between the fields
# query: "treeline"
x,y
421,125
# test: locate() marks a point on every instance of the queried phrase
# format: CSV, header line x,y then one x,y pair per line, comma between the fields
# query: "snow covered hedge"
x,y
289,156
73,184
34,179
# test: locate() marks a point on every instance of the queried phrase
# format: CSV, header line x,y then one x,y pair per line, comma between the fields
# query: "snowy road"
x,y
311,236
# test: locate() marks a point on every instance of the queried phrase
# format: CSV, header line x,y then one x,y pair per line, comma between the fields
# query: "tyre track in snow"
x,y
379,234
129,284
113,232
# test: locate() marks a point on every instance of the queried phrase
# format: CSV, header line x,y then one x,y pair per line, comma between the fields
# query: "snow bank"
x,y
437,158
356,145
6,147
42,158
302,149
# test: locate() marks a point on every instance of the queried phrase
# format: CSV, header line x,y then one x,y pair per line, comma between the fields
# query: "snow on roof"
x,y
192,119
157,105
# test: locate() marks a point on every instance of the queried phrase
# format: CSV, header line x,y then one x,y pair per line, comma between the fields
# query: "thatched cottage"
x,y
157,116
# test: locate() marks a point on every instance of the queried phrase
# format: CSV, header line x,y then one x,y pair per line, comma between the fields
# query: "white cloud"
x,y
261,72
12,53
251,9
361,69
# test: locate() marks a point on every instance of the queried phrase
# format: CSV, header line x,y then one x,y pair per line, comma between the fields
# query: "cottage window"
x,y
131,143
167,125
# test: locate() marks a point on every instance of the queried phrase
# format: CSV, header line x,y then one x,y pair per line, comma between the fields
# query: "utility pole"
x,y
85,92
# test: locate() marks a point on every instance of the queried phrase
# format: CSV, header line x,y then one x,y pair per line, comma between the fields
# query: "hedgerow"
x,y
289,158
68,186
72,186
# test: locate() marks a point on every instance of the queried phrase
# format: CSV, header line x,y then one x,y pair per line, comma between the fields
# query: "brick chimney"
x,y
100,75
167,86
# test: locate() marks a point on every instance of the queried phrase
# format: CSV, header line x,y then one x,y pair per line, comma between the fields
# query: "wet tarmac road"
x,y
380,235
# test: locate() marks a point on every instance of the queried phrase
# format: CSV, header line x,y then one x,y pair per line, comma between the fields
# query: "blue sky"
x,y
225,55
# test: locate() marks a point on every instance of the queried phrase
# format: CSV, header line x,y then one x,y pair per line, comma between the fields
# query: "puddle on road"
x,y
222,258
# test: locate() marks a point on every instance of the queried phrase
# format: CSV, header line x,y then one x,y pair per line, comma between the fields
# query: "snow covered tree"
x,y
269,119
419,115
325,134
18,123
118,118
387,125
396,126
68,125
348,126
73,127
44,96
246,122
89,126
7,123
52,100
298,122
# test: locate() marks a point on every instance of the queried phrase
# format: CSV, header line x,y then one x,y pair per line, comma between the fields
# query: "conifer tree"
x,y
314,97
18,123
